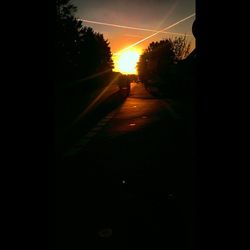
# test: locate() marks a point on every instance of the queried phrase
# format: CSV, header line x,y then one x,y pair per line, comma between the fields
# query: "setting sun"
x,y
126,61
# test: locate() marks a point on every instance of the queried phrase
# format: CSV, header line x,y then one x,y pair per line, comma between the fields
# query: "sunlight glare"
x,y
126,61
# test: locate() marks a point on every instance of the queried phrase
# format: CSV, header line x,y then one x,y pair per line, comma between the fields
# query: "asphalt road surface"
x,y
127,183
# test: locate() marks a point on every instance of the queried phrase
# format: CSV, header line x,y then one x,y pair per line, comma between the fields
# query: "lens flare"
x,y
126,62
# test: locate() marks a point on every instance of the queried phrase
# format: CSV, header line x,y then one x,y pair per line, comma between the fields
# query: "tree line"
x,y
79,50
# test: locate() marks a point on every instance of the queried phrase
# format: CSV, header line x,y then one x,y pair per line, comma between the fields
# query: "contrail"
x,y
130,35
128,27
142,40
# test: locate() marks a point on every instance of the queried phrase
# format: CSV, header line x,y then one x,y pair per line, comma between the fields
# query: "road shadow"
x,y
137,185
69,135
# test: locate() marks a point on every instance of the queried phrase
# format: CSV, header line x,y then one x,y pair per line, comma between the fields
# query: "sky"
x,y
146,14
152,15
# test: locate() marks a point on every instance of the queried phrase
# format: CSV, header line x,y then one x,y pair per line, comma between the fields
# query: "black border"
x,y
31,101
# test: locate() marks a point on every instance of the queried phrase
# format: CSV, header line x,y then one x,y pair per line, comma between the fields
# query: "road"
x,y
127,183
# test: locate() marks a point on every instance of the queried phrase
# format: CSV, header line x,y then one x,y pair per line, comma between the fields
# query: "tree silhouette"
x,y
79,51
83,64
95,53
181,48
66,40
158,65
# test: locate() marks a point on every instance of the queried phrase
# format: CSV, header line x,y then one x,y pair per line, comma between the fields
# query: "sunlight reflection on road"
x,y
139,110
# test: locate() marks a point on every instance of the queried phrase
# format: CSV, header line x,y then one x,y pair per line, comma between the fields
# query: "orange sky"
x,y
120,41
126,22
145,14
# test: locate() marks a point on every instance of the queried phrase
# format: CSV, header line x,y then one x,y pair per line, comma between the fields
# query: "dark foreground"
x,y
128,182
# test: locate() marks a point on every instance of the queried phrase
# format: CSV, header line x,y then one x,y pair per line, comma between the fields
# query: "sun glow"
x,y
126,61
